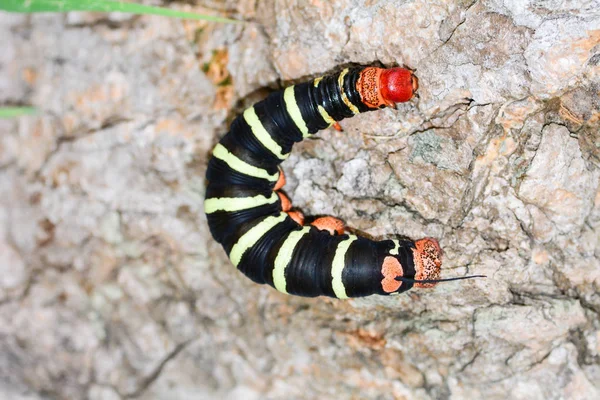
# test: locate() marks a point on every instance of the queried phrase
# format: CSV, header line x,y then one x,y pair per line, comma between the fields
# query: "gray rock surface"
x,y
112,288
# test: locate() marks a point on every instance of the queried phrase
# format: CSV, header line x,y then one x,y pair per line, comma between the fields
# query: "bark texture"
x,y
112,288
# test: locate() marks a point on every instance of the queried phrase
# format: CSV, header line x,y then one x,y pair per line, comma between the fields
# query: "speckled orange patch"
x,y
280,181
286,204
368,87
391,269
428,261
330,224
297,216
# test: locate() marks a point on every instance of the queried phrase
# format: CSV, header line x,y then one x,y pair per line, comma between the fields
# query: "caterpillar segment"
x,y
254,221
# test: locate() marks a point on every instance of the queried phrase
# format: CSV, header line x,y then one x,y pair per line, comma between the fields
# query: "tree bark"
x,y
111,286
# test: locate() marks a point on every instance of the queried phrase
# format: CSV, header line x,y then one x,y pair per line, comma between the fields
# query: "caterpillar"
x,y
268,240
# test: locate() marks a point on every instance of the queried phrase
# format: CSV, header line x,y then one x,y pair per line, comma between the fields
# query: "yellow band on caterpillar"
x,y
345,99
284,256
231,204
262,135
292,108
337,267
250,238
220,152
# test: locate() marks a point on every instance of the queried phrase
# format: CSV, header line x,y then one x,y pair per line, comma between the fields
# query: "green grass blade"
x,y
33,6
11,112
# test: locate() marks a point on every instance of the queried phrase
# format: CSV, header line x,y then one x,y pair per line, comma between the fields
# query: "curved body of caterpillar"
x,y
265,238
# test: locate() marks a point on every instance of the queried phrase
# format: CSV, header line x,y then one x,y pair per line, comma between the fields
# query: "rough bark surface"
x,y
111,286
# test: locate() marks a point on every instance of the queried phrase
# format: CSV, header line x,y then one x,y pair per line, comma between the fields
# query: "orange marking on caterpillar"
x,y
297,216
336,125
391,269
330,224
280,181
385,87
427,256
286,203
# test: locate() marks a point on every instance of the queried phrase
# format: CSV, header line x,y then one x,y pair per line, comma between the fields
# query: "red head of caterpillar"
x,y
379,87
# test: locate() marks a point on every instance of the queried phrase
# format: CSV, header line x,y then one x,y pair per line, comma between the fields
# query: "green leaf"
x,y
11,112
33,6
